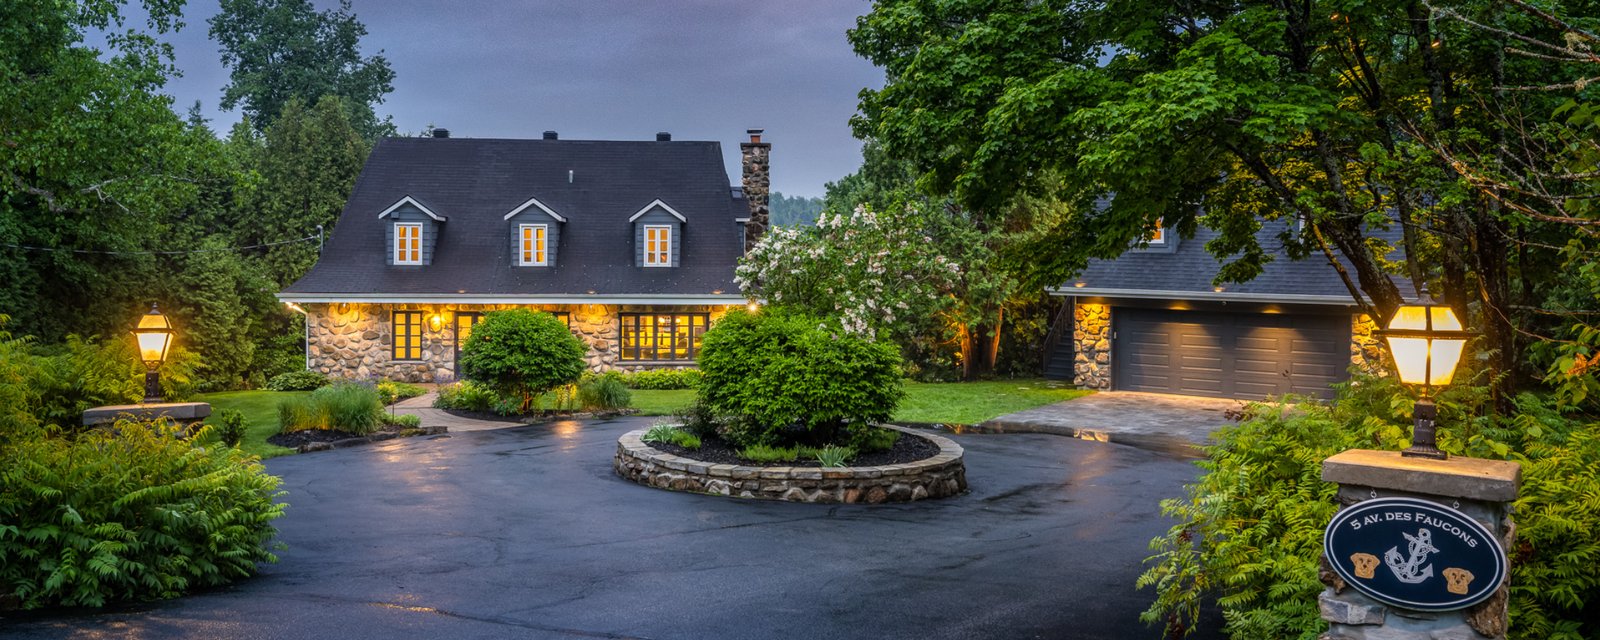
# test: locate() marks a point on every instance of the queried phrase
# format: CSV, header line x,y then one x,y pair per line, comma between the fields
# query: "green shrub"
x,y
80,374
698,420
298,381
344,406
764,454
466,396
604,392
880,439
1250,530
131,513
229,424
831,456
775,378
663,379
391,391
671,435
523,354
407,420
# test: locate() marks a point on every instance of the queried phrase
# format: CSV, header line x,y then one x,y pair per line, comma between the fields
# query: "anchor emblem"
x,y
1406,569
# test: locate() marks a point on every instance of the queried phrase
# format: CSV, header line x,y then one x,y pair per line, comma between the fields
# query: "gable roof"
x,y
663,205
1186,271
533,202
594,185
405,200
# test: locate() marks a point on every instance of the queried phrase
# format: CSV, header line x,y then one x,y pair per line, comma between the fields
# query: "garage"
x,y
1228,355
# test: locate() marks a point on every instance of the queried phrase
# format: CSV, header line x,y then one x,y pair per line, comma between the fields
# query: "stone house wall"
x,y
1091,339
353,340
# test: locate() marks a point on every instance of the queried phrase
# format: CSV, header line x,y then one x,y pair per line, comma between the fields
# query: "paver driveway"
x,y
527,533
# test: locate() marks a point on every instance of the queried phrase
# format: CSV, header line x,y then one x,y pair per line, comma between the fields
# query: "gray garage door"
x,y
1228,355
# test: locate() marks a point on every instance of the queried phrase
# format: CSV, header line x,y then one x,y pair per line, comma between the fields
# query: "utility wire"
x,y
317,237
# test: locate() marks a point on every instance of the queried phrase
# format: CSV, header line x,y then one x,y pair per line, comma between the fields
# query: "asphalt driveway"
x,y
527,533
1156,421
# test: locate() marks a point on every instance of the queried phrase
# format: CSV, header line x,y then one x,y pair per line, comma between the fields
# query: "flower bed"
x,y
939,476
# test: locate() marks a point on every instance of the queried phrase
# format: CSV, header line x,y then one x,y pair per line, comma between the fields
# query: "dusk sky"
x,y
604,69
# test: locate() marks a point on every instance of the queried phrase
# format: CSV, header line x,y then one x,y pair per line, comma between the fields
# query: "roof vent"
x,y
441,132
663,137
550,135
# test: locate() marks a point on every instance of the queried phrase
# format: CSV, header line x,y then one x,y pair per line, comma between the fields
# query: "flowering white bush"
x,y
904,274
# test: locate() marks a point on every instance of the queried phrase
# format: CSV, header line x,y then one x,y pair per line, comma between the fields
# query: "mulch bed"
x,y
323,439
540,416
908,448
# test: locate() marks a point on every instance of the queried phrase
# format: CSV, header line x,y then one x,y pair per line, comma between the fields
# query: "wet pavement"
x,y
527,533
422,407
1155,421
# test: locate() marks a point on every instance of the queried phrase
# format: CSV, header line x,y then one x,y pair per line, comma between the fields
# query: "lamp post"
x,y
154,335
1426,340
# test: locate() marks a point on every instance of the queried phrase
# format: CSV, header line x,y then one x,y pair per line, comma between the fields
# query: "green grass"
x,y
260,409
945,402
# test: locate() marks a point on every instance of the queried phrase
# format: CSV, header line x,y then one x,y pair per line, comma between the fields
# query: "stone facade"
x,y
1091,339
757,186
353,340
1367,351
940,476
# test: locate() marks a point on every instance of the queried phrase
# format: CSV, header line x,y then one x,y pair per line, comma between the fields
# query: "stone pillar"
x,y
1367,351
1481,489
757,186
1091,342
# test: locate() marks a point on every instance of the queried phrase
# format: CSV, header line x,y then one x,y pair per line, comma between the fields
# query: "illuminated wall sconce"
x,y
436,322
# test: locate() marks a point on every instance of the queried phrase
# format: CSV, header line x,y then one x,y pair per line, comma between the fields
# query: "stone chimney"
x,y
757,186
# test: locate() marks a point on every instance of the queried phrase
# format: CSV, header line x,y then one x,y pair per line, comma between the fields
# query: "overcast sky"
x,y
604,69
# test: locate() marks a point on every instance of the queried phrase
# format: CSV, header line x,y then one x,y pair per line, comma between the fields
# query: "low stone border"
x,y
376,437
940,476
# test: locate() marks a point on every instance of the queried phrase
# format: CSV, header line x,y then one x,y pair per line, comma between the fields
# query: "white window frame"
x,y
399,238
665,251
541,233
1159,236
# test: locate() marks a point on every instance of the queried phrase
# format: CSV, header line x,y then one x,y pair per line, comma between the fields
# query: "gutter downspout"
x,y
305,331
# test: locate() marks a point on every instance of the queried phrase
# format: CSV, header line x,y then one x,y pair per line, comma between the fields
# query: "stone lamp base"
x,y
177,411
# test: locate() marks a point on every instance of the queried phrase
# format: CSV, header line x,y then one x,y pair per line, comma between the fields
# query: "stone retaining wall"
x,y
940,476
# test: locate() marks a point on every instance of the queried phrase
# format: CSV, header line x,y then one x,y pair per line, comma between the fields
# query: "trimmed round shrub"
x,y
298,381
774,378
131,513
522,353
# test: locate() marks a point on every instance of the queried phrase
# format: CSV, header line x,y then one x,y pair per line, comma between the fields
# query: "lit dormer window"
x,y
657,246
1159,236
532,245
408,243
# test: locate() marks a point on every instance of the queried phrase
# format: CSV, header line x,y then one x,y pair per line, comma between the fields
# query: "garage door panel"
x,y
1228,354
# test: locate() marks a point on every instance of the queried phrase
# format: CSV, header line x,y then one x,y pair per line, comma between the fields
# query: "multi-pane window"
x,y
408,243
533,244
657,246
649,336
407,336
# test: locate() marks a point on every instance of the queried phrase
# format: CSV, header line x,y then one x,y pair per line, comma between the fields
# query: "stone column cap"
x,y
179,411
1456,477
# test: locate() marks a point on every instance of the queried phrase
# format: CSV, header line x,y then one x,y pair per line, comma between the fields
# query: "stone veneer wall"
x,y
940,476
352,340
1091,339
1367,351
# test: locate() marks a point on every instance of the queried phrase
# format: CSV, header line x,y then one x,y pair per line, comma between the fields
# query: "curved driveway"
x,y
527,533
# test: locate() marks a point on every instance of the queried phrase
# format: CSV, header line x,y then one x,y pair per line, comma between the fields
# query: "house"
x,y
632,243
1152,320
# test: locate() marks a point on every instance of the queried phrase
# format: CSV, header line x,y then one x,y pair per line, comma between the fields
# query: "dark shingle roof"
x,y
1188,270
473,183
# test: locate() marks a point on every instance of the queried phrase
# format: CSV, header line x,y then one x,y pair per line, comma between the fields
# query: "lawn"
x,y
945,403
260,409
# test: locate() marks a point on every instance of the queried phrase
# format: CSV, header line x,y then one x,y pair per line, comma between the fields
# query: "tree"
x,y
522,353
1228,115
280,50
791,211
308,165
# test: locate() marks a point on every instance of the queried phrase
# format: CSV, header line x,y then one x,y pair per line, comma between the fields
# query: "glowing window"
x,y
532,245
407,335
657,246
408,243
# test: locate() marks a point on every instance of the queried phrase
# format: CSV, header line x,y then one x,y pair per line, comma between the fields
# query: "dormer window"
x,y
657,246
1159,236
533,245
408,243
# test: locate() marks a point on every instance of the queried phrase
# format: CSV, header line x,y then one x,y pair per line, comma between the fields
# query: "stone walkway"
x,y
422,407
1148,420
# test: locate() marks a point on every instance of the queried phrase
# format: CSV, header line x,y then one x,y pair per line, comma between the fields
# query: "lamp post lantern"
x,y
154,335
1426,340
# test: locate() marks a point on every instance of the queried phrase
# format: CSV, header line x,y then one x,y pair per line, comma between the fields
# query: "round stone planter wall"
x,y
939,476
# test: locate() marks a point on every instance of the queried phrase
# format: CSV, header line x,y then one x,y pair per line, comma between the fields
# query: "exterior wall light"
x,y
436,322
1426,340
753,306
154,335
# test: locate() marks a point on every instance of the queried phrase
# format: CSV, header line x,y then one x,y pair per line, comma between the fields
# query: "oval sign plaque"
x,y
1415,554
